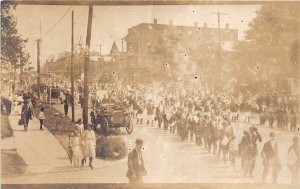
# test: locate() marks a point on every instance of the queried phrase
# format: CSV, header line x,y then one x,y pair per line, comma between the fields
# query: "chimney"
x,y
205,25
227,26
171,22
195,24
155,21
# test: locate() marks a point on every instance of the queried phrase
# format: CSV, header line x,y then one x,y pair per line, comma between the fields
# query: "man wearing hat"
x,y
27,113
252,150
136,169
271,158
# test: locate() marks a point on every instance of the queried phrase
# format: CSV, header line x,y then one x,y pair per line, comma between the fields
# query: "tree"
x,y
13,53
168,56
269,52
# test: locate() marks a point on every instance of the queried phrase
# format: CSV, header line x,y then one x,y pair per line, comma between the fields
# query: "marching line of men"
x,y
281,109
207,121
213,130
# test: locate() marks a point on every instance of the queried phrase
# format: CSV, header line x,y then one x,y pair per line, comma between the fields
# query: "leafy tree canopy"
x,y
12,43
270,51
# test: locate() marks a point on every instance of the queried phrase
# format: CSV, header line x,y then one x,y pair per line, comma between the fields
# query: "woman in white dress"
x,y
89,146
76,149
18,106
79,127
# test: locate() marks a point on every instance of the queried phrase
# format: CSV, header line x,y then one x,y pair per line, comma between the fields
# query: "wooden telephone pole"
x,y
72,69
218,67
38,65
219,35
102,66
86,67
39,40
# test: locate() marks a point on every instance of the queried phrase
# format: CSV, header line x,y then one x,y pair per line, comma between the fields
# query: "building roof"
x,y
114,49
190,30
167,26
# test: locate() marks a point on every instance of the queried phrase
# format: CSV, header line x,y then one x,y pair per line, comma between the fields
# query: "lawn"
x,y
11,162
6,130
60,127
112,147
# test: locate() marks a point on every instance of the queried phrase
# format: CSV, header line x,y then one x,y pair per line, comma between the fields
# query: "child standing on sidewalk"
x,y
41,118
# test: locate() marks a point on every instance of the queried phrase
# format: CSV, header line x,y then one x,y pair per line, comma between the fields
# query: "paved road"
x,y
167,160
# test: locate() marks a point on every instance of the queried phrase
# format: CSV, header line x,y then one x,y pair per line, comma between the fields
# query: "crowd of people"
x,y
204,115
207,117
283,109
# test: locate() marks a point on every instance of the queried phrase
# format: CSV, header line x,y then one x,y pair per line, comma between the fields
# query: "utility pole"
x,y
102,68
86,67
72,69
138,60
39,60
123,61
219,35
38,65
100,48
218,65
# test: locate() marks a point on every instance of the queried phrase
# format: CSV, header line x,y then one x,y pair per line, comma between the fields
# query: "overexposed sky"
x,y
112,22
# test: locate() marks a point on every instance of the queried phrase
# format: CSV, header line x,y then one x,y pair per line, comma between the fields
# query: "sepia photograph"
x,y
150,94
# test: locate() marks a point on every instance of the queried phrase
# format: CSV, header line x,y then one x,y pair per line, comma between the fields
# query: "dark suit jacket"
x,y
134,169
212,131
27,112
268,152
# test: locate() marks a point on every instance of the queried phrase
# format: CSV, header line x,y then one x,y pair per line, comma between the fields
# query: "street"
x,y
168,160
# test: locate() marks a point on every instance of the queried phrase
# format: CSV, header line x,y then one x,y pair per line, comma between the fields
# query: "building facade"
x,y
153,45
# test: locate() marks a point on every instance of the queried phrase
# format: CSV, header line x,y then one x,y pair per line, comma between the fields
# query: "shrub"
x,y
111,147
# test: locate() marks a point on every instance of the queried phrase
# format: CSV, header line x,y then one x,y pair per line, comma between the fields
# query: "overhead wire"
x,y
52,28
81,24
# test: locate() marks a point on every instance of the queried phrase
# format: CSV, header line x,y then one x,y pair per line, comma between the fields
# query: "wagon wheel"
x,y
105,126
129,126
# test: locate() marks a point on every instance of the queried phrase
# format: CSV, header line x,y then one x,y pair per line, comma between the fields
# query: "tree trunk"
x,y
14,83
21,74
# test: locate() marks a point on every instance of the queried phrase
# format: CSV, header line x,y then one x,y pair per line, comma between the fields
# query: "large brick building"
x,y
143,38
144,56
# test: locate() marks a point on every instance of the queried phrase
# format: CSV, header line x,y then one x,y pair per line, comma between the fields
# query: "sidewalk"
x,y
46,159
40,149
